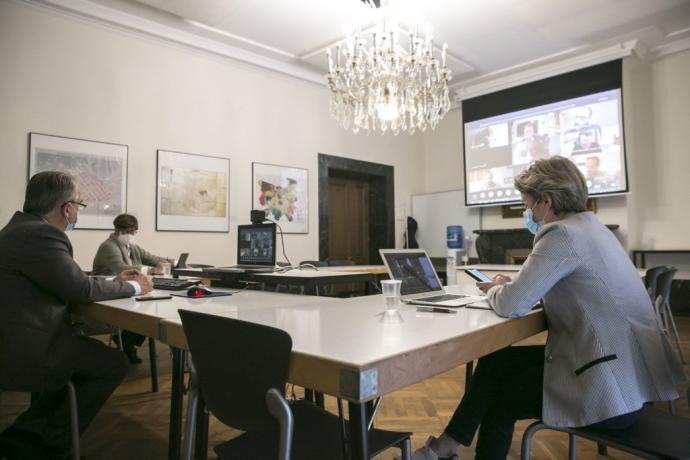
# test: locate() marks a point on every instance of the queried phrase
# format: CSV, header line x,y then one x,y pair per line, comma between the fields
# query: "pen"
x,y
435,310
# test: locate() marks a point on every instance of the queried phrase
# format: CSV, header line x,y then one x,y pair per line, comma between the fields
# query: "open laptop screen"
x,y
415,271
256,244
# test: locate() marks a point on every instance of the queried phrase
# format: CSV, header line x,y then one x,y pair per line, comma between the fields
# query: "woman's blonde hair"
x,y
558,177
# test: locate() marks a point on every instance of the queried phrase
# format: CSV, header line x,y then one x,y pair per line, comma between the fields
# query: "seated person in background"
x,y
592,167
586,142
531,147
119,253
39,349
604,357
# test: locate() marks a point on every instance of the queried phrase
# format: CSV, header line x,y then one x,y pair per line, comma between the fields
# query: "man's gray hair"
x,y
47,191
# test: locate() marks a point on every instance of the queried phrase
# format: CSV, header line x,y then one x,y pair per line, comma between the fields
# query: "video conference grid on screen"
x,y
414,271
587,130
256,245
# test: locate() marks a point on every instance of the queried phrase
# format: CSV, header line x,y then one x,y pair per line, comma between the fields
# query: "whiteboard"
x,y
436,211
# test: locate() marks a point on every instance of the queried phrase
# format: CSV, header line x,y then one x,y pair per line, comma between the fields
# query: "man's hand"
x,y
128,275
497,281
145,283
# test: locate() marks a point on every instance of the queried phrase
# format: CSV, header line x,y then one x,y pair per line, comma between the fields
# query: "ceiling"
x,y
487,39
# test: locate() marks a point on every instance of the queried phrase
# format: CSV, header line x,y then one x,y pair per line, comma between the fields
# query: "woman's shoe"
x,y
426,453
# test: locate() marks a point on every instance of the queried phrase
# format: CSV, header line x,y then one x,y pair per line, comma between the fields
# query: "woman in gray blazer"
x,y
119,253
604,357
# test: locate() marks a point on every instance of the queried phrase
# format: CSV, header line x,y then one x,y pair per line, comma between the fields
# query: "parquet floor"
x,y
134,423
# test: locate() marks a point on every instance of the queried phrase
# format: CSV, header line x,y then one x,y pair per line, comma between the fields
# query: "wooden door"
x,y
348,219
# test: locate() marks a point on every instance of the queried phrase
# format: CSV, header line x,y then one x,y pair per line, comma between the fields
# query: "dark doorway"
x,y
356,209
348,219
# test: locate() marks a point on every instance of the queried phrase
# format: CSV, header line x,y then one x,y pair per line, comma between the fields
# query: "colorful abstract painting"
x,y
283,192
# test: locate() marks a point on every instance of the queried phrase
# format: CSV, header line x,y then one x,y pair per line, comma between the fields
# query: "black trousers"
x,y
131,339
95,371
506,387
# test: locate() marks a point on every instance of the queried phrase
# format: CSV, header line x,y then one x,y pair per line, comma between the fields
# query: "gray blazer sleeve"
x,y
150,259
50,266
552,259
109,260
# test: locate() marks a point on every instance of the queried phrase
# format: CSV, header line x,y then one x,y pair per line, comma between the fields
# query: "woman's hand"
x,y
498,280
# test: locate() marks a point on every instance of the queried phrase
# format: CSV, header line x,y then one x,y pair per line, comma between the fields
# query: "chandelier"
x,y
385,86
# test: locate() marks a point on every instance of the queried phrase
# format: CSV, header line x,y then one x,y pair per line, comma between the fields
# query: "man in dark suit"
x,y
39,350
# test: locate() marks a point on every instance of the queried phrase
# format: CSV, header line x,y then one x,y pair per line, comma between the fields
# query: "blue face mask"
x,y
531,225
70,225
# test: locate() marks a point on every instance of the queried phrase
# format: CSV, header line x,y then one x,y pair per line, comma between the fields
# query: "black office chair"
x,y
656,434
73,414
241,369
651,280
664,285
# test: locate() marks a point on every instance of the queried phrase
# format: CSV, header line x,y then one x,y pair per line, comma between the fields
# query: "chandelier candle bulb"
x,y
383,85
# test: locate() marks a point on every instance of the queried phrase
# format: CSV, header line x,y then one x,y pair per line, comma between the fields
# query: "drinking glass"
x,y
391,293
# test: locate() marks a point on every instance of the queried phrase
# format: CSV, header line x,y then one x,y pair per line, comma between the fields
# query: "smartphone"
x,y
153,297
476,274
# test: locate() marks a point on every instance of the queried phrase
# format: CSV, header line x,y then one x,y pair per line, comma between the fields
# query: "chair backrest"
x,y
664,283
237,362
340,262
316,263
651,280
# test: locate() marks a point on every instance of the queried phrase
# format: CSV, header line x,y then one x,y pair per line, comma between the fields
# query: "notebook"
x,y
256,248
420,284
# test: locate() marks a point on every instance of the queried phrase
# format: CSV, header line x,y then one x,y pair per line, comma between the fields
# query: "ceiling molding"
x,y
670,48
510,77
94,12
403,31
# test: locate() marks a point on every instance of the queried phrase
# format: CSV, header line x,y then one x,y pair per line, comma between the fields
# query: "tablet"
x,y
478,275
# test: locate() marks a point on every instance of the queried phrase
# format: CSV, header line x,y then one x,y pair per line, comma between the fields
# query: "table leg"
x,y
153,360
359,434
201,443
176,396
469,369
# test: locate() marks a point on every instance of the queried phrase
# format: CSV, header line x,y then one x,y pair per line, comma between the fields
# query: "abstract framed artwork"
x,y
100,169
283,192
192,192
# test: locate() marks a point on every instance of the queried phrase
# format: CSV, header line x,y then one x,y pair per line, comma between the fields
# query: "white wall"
x,y
71,77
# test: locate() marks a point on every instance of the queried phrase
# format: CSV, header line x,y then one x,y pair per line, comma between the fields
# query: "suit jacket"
x,y
605,355
112,257
40,280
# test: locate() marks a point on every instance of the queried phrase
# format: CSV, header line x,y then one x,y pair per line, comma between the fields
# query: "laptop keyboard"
x,y
172,284
442,298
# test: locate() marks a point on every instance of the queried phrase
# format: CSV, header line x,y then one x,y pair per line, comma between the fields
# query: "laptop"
x,y
420,284
256,248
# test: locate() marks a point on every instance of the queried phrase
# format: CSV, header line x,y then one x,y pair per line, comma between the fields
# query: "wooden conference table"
x,y
341,347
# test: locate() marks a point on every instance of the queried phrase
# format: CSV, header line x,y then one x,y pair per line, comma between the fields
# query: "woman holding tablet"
x,y
604,357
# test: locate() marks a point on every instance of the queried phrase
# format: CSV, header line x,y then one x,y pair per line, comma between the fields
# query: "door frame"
x,y
381,200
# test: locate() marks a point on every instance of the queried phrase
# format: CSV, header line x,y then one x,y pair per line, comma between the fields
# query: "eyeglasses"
x,y
81,205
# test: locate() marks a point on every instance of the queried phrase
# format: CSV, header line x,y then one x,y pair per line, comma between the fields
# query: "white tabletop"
x,y
355,331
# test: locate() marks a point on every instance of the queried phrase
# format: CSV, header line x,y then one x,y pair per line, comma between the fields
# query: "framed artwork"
x,y
283,192
100,169
192,192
